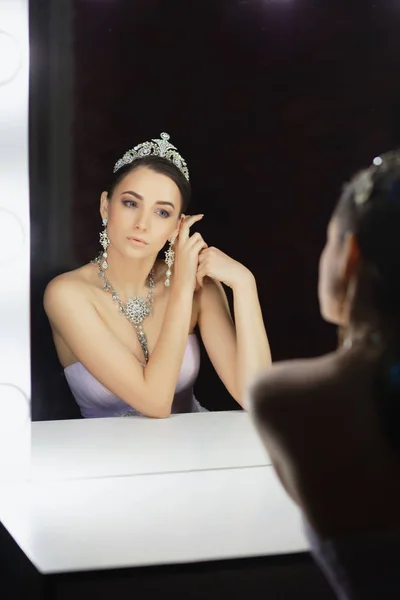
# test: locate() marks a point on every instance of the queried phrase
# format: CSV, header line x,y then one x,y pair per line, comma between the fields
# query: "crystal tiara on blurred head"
x,y
162,148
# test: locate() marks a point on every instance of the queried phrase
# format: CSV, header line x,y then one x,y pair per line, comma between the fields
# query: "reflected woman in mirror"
x,y
123,324
331,425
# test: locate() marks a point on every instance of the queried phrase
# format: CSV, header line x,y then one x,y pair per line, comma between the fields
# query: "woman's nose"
x,y
140,226
141,221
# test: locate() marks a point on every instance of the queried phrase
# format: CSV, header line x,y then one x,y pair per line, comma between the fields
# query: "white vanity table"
x,y
87,448
114,506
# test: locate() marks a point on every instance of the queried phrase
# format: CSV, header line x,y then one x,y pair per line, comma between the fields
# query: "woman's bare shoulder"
x,y
296,375
78,283
305,386
82,275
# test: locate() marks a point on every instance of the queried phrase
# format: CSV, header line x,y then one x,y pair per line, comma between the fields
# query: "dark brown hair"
x,y
370,208
157,164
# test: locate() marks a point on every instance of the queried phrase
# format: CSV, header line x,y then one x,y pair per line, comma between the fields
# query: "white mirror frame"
x,y
15,362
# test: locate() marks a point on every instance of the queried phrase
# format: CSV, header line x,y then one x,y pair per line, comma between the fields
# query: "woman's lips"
x,y
137,241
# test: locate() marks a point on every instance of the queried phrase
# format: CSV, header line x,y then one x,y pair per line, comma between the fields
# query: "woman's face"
x,y
143,213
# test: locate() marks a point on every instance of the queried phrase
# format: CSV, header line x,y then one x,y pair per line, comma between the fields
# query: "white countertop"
x,y
118,493
77,525
85,448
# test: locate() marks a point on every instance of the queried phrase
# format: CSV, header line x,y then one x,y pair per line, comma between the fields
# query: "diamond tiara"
x,y
158,147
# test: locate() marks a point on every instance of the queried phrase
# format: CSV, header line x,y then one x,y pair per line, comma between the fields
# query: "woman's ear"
x,y
104,205
180,221
348,268
351,257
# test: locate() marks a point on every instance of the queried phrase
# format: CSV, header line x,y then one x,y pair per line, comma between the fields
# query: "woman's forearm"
x,y
252,351
162,371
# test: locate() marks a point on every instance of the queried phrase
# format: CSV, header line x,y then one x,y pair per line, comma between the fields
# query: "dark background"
x,y
273,104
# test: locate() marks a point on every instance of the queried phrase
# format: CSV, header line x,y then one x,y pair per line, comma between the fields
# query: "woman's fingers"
x,y
199,277
199,244
203,255
184,229
194,239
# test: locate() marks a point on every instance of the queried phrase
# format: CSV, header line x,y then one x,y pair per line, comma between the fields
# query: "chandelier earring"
x,y
105,242
169,260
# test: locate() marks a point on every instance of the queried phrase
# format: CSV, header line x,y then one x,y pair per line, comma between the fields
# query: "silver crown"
x,y
161,147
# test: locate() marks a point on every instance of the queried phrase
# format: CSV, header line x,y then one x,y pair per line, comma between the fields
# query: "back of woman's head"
x,y
370,209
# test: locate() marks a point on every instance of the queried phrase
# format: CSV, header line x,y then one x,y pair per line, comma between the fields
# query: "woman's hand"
x,y
187,250
221,267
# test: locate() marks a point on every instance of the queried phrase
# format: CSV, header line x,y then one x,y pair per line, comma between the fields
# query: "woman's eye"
x,y
130,203
133,204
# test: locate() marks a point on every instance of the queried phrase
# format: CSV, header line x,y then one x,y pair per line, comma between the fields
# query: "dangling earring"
x,y
169,259
105,242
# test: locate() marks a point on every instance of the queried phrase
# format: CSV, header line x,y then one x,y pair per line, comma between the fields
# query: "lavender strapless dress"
x,y
95,400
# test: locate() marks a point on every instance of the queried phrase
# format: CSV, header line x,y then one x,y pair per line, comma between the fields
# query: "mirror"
x,y
14,242
272,105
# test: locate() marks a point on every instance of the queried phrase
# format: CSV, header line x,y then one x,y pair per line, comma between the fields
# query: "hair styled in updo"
x,y
370,209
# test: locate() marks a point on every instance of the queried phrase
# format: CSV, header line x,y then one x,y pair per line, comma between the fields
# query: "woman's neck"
x,y
364,323
129,277
376,332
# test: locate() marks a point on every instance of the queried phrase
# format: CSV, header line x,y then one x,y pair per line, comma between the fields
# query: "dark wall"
x,y
272,103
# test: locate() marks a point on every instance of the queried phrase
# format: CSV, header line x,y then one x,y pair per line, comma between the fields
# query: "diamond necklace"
x,y
136,309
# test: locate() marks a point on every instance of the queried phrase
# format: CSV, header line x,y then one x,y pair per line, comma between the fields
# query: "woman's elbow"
x,y
161,414
158,411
